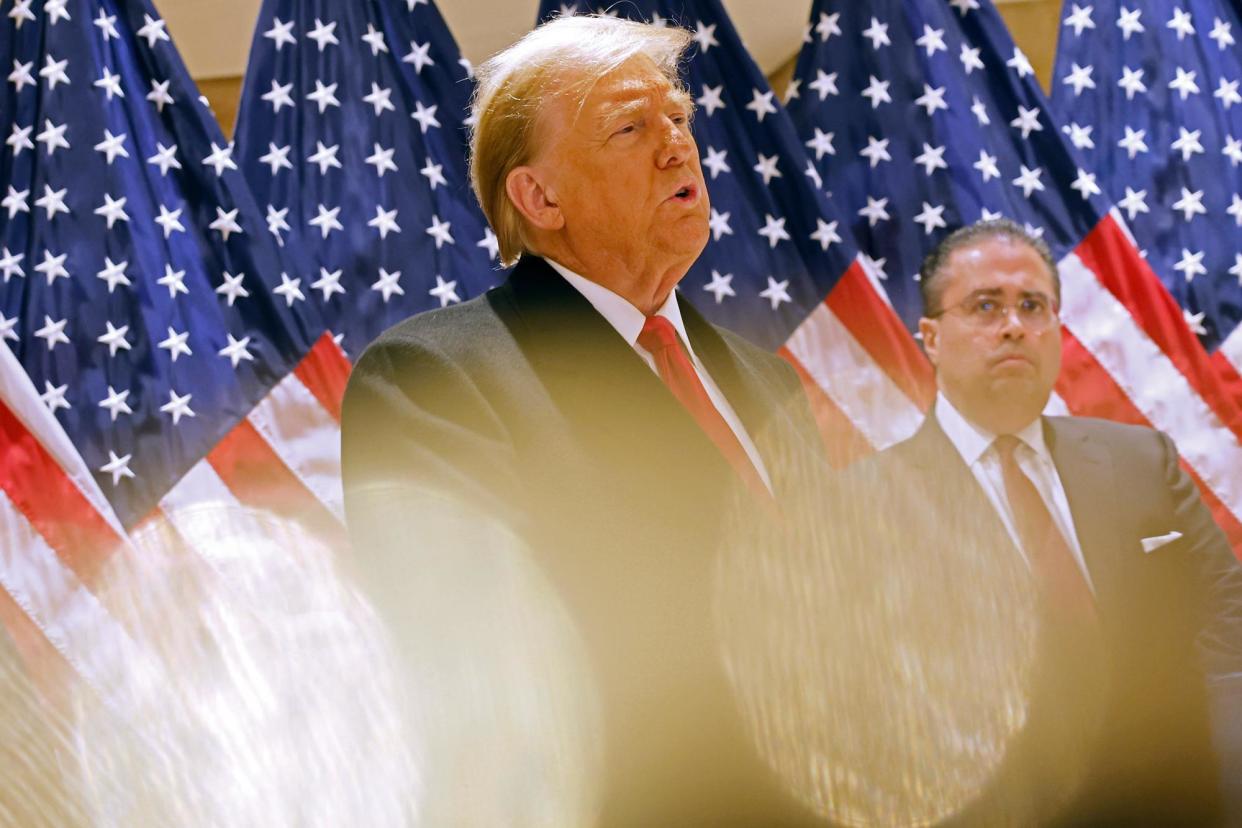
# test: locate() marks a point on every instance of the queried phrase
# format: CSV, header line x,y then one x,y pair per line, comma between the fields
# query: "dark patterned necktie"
x,y
1050,556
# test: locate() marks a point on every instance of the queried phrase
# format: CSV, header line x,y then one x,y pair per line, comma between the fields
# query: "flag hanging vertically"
x,y
351,134
138,276
1147,94
781,266
924,117
142,294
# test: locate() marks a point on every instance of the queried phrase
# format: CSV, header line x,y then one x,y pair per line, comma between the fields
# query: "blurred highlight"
x,y
265,694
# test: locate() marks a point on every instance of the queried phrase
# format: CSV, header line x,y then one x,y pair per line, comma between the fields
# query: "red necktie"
x,y
1050,556
673,363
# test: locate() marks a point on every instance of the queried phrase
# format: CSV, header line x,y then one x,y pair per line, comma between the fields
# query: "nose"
x,y
1011,326
676,145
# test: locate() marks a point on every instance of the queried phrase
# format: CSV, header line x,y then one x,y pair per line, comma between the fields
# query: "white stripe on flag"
x,y
1107,330
852,379
72,619
196,507
305,437
1056,406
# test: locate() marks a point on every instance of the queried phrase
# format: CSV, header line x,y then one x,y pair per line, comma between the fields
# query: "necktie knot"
x,y
1006,445
657,334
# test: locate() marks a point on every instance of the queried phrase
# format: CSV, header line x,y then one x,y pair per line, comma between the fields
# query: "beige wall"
x,y
1034,24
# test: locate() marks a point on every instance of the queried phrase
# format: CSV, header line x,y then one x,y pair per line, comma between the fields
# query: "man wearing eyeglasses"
x,y
1133,577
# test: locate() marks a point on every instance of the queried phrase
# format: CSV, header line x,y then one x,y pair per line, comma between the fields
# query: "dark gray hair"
x,y
931,272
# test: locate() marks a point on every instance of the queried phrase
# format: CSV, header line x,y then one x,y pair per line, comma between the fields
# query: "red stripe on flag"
x,y
55,507
324,371
1089,391
257,477
843,443
1110,255
1230,379
875,326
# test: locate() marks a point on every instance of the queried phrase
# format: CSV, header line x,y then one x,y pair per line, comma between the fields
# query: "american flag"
x,y
164,329
1146,92
351,134
781,266
924,116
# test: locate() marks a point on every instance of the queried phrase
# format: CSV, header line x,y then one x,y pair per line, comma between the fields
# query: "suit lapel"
x,y
754,396
948,480
613,400
1086,473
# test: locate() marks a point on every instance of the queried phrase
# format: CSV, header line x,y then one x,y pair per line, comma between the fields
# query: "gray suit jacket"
x,y
1170,620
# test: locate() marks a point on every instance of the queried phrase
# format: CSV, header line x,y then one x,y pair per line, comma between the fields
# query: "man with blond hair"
x,y
584,417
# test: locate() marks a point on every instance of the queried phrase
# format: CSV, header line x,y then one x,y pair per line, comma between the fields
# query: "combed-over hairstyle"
x,y
567,55
931,272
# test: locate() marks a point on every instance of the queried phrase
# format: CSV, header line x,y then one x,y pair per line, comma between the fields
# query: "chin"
x,y
686,241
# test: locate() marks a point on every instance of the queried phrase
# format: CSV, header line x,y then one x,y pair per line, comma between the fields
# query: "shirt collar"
x,y
972,440
626,319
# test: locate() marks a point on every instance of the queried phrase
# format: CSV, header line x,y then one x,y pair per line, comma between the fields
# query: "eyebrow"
x,y
639,102
990,292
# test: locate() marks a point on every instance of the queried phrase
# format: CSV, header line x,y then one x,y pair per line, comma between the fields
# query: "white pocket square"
x,y
1152,544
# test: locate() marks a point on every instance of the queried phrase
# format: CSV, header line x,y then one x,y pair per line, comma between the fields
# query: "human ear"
x,y
929,331
534,198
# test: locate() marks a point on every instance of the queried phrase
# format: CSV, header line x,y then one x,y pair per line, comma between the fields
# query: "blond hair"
x,y
567,55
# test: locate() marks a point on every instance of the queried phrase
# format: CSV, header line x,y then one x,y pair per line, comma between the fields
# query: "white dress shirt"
x,y
975,445
628,321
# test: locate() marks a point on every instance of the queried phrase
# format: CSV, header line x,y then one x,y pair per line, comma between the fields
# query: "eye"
x,y
626,129
984,306
1033,306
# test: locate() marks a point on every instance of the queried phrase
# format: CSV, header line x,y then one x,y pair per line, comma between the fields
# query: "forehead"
x,y
997,263
636,79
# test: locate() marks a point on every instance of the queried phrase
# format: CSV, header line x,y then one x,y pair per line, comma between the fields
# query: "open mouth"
x,y
686,194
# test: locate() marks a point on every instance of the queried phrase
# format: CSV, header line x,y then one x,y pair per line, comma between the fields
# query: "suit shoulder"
x,y
1109,431
464,331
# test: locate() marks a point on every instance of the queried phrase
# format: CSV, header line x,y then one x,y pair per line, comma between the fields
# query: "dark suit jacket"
x,y
525,408
1165,617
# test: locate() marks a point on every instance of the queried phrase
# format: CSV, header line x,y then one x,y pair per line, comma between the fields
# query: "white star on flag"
x,y
419,56
153,30
439,230
711,100
174,280
773,230
716,161
720,286
231,288
237,350
446,292
387,284
276,158
280,33
762,104
776,292
323,34
766,167
931,218
329,282
176,343
178,406
170,221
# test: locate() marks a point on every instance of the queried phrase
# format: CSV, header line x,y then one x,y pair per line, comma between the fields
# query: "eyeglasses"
x,y
1035,312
